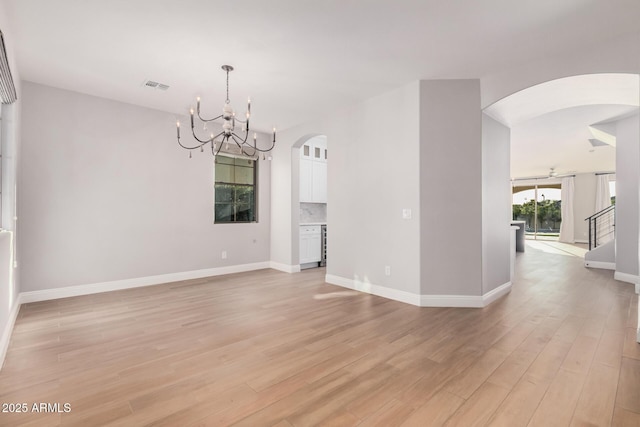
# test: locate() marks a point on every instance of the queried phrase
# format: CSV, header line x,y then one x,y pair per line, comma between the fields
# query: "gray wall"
x,y
627,195
107,194
451,187
496,204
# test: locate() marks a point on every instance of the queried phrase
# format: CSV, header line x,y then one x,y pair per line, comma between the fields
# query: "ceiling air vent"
x,y
155,85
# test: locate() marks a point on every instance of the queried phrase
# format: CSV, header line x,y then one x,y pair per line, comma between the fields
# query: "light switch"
x,y
406,213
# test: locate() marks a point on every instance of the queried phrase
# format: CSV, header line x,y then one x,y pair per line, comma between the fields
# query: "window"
x,y
235,189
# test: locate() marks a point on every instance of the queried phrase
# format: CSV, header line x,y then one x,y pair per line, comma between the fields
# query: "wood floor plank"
x,y
392,414
478,409
628,395
267,348
435,412
596,403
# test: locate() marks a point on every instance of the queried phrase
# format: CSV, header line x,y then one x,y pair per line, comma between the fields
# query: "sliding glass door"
x,y
539,206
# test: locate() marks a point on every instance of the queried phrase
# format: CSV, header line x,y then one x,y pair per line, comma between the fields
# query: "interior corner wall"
x,y
584,204
106,194
450,187
372,175
628,195
496,204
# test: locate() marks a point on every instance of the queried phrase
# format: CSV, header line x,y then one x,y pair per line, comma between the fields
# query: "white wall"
x,y
451,187
372,176
106,194
496,204
614,56
628,196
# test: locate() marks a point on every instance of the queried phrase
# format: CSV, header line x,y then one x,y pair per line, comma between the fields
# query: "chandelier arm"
x,y
218,149
244,141
208,120
214,138
238,143
273,144
188,148
201,141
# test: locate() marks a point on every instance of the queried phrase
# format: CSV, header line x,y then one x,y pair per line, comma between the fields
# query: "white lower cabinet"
x,y
310,244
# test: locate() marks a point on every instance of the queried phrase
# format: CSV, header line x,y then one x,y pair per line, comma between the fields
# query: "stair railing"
x,y
602,226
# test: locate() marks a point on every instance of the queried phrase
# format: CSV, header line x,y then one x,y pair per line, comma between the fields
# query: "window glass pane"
x,y
234,189
224,212
244,195
245,213
317,153
244,175
306,150
224,193
224,173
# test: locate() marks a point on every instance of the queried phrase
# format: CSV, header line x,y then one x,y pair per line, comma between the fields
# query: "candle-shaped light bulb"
x,y
198,99
274,134
178,127
255,136
248,106
191,111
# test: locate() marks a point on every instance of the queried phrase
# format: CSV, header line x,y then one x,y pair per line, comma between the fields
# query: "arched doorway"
x,y
556,132
309,157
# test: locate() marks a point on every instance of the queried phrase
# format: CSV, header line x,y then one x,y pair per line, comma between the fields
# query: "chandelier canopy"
x,y
234,130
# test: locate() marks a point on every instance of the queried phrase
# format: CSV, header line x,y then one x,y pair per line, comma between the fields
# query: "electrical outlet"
x,y
224,254
387,270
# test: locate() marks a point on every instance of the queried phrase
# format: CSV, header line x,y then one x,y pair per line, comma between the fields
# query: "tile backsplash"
x,y
313,212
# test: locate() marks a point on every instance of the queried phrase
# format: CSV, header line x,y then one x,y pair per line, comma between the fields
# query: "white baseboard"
x,y
600,264
6,334
369,288
421,300
586,242
625,277
461,301
496,293
116,285
284,267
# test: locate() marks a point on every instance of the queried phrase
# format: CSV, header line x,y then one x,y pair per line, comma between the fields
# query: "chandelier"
x,y
234,130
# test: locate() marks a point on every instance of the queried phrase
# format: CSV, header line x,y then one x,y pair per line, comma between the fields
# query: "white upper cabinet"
x,y
313,171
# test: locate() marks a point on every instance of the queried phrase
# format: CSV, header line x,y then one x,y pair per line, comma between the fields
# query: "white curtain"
x,y
603,196
567,224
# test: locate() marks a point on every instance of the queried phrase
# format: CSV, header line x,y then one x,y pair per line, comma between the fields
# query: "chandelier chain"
x,y
228,87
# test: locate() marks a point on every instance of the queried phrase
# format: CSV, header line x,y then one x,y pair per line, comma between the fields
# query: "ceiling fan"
x,y
553,173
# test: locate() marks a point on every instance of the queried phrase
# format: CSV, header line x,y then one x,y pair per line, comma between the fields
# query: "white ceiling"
x,y
560,140
296,59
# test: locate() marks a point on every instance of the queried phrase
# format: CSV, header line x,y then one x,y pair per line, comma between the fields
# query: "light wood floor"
x,y
271,349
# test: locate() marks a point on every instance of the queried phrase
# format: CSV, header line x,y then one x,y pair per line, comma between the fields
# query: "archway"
x,y
308,160
556,131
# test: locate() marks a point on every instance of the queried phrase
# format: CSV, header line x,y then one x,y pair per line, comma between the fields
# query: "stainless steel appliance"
x,y
323,247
